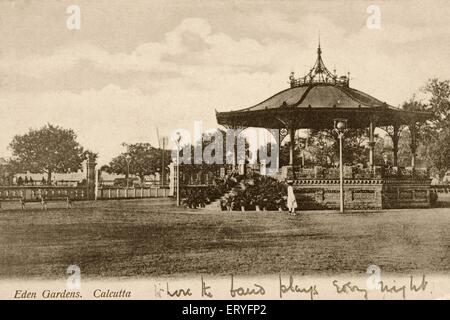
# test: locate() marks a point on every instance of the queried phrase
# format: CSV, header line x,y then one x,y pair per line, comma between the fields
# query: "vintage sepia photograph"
x,y
254,149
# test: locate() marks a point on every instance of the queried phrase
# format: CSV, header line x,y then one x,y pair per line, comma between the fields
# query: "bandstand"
x,y
317,101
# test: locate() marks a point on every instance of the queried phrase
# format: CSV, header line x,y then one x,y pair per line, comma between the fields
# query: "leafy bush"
x,y
262,191
199,196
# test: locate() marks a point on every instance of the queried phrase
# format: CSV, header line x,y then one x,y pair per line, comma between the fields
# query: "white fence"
x,y
132,193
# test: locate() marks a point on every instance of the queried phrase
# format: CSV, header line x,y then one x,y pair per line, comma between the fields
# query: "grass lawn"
x,y
152,237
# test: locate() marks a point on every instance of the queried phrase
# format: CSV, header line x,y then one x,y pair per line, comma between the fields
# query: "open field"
x,y
152,237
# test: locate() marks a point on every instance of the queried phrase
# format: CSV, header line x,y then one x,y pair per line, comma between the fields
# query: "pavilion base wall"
x,y
408,193
325,194
362,193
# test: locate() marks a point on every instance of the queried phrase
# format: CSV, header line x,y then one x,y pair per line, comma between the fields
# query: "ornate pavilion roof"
x,y
314,100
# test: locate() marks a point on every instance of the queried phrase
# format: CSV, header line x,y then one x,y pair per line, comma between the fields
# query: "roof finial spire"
x,y
319,50
319,73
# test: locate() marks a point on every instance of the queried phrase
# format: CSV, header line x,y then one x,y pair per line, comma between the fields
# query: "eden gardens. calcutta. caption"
x,y
285,287
69,294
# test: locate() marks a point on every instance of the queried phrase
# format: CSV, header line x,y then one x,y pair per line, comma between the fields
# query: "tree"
x,y
208,140
324,145
438,153
6,173
321,147
209,149
144,159
48,149
437,134
439,102
433,136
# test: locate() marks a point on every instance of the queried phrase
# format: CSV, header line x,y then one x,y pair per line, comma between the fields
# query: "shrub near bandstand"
x,y
258,193
199,196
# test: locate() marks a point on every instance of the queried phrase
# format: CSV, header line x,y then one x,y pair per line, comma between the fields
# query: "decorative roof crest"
x,y
319,74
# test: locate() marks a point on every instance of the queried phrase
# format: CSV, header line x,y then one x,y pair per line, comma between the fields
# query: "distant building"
x,y
58,179
110,179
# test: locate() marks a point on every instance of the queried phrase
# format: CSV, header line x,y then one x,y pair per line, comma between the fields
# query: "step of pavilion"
x,y
215,205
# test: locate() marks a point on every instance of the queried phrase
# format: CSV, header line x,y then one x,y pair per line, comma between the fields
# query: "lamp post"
x,y
163,162
177,139
128,160
340,126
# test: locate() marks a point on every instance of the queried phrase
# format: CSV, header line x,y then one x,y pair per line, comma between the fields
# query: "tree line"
x,y
52,149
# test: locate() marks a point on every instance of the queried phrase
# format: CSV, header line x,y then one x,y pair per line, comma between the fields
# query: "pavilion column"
x,y
237,130
235,154
292,146
371,143
279,154
280,139
413,131
395,138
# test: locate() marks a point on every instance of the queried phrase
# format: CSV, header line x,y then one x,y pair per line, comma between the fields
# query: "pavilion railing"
x,y
356,172
201,178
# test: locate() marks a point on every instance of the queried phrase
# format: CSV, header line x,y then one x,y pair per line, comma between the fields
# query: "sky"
x,y
134,66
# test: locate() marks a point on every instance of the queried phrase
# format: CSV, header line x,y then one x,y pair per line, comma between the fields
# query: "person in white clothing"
x,y
291,200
